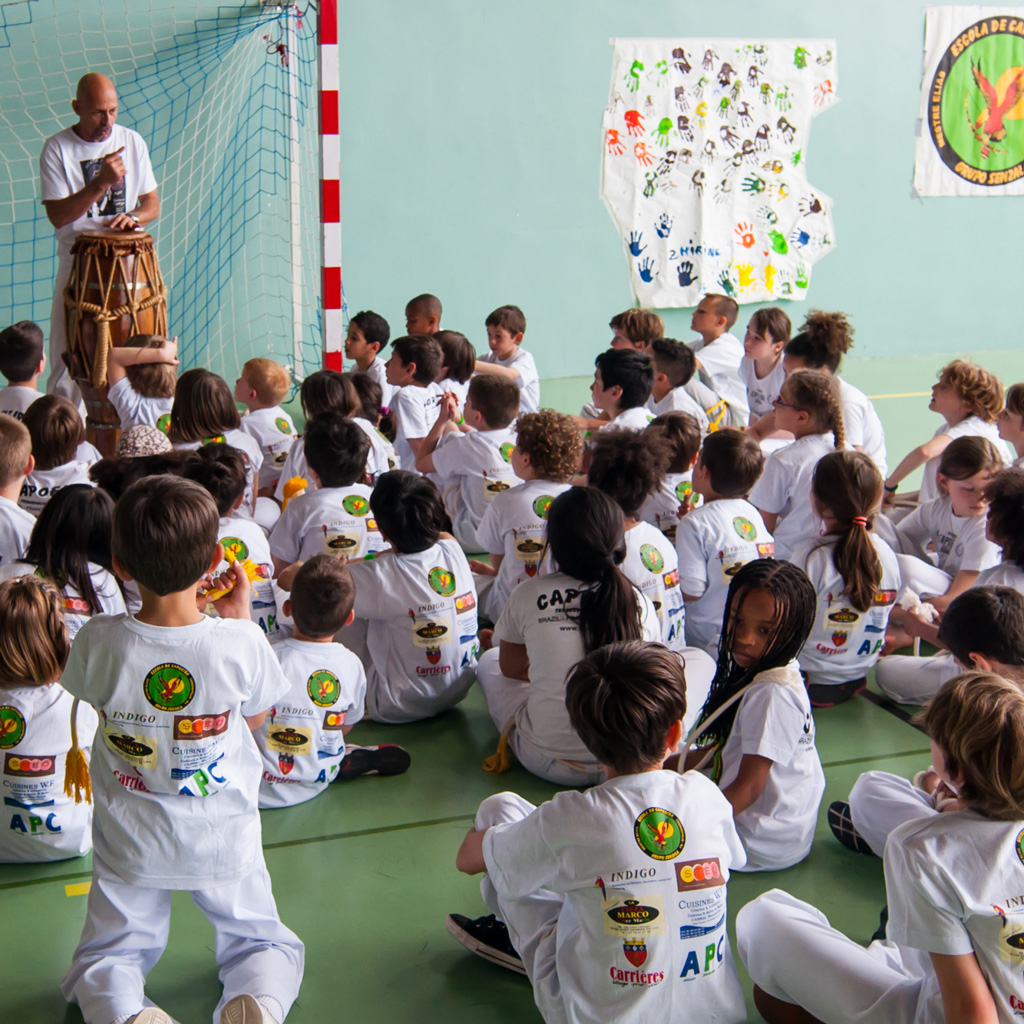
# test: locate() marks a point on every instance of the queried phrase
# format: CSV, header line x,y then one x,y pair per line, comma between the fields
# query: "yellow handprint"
x,y
746,272
769,277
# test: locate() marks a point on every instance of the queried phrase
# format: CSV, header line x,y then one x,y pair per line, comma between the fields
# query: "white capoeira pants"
x,y
59,381
881,801
925,579
914,680
126,931
793,954
532,921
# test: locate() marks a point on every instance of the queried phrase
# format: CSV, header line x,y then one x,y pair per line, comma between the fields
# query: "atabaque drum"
x,y
115,291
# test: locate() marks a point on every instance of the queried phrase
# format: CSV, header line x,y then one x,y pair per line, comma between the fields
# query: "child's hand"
x,y
234,604
169,352
888,499
449,407
685,506
482,568
916,626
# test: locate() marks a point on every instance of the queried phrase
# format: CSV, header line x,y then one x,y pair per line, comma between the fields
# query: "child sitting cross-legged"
x,y
302,740
612,901
681,433
951,952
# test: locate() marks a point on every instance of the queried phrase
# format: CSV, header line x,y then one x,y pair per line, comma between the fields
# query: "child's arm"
x,y
470,858
749,783
513,661
962,581
446,414
771,519
509,372
483,569
255,721
119,358
918,457
763,428
966,997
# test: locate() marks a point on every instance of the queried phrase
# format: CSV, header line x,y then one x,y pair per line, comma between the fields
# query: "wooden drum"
x,y
115,291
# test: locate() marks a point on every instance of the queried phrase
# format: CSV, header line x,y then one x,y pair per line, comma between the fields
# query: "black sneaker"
x,y
487,937
883,924
841,823
826,695
387,759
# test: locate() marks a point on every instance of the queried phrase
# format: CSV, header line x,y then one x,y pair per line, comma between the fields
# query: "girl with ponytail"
x,y
549,624
855,574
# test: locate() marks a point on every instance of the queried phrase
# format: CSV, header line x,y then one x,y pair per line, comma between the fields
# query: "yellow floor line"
x,y
78,889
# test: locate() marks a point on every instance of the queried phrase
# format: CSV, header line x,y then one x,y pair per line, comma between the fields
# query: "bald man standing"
x,y
95,175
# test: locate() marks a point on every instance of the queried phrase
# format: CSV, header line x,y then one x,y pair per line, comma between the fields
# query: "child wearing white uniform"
x,y
546,457
761,370
1010,423
715,540
176,703
622,385
856,577
368,334
16,463
507,358
675,367
719,355
411,370
950,952
622,916
56,430
141,376
419,603
808,408
756,729
458,361
35,724
261,387
473,468
661,508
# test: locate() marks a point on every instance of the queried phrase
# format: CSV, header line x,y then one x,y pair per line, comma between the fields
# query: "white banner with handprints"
x,y
704,166
970,135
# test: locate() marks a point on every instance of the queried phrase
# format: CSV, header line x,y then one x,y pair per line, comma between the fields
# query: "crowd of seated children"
x,y
681,434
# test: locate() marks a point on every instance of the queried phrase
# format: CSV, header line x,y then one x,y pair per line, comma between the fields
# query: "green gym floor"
x,y
365,873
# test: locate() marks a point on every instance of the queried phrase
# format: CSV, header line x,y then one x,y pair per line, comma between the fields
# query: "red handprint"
x,y
634,122
640,150
614,142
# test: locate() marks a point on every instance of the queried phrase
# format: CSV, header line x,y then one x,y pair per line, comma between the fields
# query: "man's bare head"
x,y
95,103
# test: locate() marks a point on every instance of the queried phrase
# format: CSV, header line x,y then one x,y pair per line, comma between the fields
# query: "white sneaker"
x,y
245,1010
151,1015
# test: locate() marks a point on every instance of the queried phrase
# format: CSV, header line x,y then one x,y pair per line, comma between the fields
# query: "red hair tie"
x,y
860,520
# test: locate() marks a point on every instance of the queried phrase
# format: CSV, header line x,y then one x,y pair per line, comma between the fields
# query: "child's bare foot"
x,y
895,639
486,637
928,781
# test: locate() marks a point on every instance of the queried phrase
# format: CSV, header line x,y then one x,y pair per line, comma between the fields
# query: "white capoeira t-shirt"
x,y
16,525
274,432
1005,574
720,371
528,380
661,509
652,567
680,400
334,521
415,410
861,425
973,426
761,391
959,542
42,484
135,410
245,539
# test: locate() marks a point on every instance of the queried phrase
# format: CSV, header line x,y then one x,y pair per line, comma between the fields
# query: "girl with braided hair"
x,y
855,574
808,407
756,731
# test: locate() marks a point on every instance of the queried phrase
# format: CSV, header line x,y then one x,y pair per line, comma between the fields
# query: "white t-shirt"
x,y
301,740
643,862
76,610
535,616
514,525
784,488
844,642
680,400
636,419
42,484
294,465
68,164
761,391
661,509
246,539
415,410
774,720
15,530
134,409
652,567
274,432
40,823
175,770
251,454
720,371
382,456
1005,574
713,543
421,634
16,398
333,521
378,371
528,380
474,468
959,543
973,426
458,388
861,425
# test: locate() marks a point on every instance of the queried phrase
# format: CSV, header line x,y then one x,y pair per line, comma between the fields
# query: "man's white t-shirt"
x,y
42,484
713,543
535,616
68,163
844,642
528,380
515,525
652,567
761,391
636,419
680,400
973,426
301,741
251,454
784,488
861,425
959,542
642,861
135,410
274,432
245,538
15,530
175,770
661,509
415,410
334,521
774,720
720,371
40,823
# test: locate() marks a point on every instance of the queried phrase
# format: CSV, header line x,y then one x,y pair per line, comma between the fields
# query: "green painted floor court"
x,y
365,873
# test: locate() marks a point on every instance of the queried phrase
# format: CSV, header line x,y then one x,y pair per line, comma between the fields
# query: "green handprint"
x,y
633,76
723,106
801,276
782,100
753,185
800,56
778,243
661,132
662,68
798,155
726,282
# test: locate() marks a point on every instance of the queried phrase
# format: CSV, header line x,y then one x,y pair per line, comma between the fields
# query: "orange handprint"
x,y
642,155
745,233
634,122
614,142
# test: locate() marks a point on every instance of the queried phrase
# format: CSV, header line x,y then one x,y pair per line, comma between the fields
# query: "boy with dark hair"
x,y
714,541
636,328
221,470
423,315
56,430
613,900
16,463
335,518
676,387
368,333
681,433
261,387
411,371
505,329
302,742
419,603
174,773
475,466
22,362
622,384
719,355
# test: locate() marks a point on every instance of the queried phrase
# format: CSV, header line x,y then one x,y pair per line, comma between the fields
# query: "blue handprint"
x,y
646,269
799,237
686,275
663,225
635,238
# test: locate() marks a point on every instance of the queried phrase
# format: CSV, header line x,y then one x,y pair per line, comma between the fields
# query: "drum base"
x,y
102,427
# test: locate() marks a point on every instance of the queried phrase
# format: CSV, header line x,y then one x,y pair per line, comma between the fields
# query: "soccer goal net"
x,y
227,98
